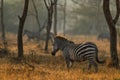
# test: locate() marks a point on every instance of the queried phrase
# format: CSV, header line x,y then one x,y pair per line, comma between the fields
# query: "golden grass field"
x,y
48,67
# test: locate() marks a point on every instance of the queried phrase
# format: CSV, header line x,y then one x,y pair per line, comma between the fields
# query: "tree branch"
x,y
118,12
46,4
19,17
52,2
76,2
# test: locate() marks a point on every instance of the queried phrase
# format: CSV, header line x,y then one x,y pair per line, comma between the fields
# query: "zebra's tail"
x,y
101,62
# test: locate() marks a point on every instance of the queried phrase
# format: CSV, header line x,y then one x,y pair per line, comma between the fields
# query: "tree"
x,y
55,18
82,15
36,14
64,11
113,35
2,25
49,5
20,30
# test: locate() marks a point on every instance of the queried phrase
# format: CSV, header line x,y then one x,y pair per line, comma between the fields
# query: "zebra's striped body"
x,y
77,52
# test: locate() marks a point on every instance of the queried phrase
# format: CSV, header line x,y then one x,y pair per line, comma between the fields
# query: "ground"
x,y
39,65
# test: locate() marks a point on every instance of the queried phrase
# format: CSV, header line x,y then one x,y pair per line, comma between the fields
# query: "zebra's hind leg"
x,y
92,62
89,66
95,65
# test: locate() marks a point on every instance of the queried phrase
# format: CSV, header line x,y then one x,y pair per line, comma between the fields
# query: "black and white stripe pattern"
x,y
77,52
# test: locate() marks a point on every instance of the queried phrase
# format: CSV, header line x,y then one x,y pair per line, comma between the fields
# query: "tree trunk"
x,y
49,7
48,31
64,24
37,17
55,18
2,25
20,30
113,36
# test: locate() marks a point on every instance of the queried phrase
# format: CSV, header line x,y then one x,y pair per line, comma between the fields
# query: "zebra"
x,y
103,36
76,52
37,35
31,35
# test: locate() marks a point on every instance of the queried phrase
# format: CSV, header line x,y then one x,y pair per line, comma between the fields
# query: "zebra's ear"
x,y
52,37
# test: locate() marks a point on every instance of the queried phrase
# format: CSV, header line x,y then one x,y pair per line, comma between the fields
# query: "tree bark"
x,y
2,25
113,35
20,30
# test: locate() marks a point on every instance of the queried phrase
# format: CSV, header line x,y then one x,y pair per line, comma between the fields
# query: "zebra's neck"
x,y
67,45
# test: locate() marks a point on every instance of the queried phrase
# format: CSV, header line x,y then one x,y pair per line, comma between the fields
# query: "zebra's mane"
x,y
61,38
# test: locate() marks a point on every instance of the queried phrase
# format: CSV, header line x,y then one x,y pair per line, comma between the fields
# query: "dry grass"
x,y
47,67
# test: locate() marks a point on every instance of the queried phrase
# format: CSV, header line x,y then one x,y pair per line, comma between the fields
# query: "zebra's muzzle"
x,y
54,52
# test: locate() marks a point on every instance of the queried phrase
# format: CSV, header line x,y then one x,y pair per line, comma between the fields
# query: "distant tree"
x,y
36,14
49,5
113,35
55,18
64,11
82,14
2,25
20,30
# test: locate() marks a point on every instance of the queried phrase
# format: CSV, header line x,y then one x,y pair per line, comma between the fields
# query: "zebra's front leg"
x,y
69,64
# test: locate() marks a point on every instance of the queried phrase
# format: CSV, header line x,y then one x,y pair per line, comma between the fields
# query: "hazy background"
x,y
84,17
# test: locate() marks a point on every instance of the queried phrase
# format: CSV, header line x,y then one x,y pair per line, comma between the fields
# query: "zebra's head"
x,y
56,45
59,44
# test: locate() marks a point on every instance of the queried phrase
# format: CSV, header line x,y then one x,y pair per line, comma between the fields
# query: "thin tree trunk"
x,y
48,30
55,18
113,35
49,7
20,30
2,25
118,12
37,17
64,25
